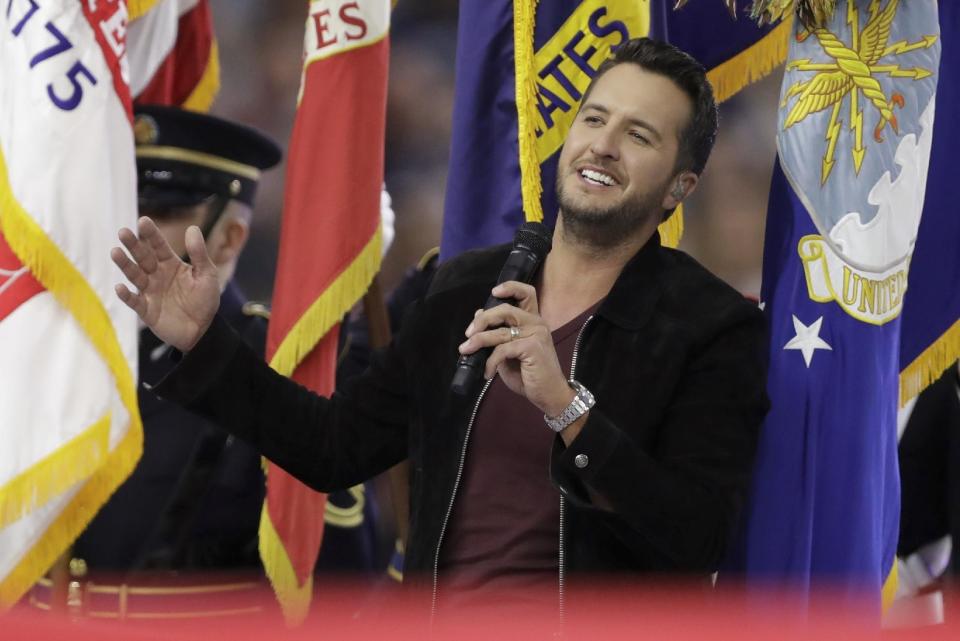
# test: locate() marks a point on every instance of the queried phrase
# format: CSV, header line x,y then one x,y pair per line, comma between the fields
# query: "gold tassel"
x,y
671,230
930,364
329,308
202,96
137,8
57,472
889,590
751,64
812,13
294,598
525,73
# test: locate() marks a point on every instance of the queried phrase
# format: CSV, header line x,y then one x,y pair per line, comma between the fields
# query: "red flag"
x,y
173,55
329,248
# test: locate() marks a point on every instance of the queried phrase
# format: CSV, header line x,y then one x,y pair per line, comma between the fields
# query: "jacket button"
x,y
581,460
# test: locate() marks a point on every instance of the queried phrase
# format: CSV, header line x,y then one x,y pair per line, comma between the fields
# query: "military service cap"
x,y
185,157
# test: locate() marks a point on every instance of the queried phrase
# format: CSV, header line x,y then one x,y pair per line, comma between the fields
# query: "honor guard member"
x,y
193,503
194,500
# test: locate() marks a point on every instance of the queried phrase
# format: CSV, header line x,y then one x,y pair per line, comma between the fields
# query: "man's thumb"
x,y
197,250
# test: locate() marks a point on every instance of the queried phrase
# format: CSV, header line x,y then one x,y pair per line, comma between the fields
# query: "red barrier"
x,y
391,614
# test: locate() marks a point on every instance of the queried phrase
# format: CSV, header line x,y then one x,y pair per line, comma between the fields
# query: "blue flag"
x,y
855,130
503,160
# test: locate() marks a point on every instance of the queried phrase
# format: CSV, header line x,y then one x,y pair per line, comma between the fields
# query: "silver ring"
x,y
514,332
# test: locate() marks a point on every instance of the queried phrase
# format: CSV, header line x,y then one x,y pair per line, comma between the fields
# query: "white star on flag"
x,y
807,339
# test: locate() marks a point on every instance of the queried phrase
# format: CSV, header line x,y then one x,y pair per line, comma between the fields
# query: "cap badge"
x,y
145,130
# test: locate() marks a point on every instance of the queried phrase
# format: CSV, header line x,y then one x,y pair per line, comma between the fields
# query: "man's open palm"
x,y
176,300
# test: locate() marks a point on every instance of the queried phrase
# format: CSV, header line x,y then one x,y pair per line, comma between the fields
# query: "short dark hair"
x,y
697,138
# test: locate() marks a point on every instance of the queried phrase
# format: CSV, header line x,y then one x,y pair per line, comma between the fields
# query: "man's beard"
x,y
603,228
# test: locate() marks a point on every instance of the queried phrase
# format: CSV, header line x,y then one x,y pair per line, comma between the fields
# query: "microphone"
x,y
531,244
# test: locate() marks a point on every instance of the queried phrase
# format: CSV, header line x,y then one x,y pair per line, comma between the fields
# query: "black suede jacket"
x,y
673,355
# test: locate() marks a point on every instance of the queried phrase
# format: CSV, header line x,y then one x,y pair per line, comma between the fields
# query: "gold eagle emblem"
x,y
853,73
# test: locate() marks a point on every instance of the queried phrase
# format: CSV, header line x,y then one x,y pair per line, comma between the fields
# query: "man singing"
x,y
617,428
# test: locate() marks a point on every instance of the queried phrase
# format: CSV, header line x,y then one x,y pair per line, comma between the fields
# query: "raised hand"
x,y
176,300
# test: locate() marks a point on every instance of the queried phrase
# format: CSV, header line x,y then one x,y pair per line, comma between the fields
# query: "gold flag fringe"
x,y
294,598
524,14
752,64
328,309
202,96
75,516
137,8
57,472
68,286
671,230
889,589
930,364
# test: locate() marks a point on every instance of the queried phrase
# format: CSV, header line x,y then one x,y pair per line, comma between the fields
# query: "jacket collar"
x,y
635,292
231,302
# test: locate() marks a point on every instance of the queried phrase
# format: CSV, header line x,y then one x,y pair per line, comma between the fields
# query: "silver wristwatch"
x,y
579,406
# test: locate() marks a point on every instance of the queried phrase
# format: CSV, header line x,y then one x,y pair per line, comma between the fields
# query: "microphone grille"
x,y
535,237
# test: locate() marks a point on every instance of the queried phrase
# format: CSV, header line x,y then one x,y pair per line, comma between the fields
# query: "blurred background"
x,y
260,54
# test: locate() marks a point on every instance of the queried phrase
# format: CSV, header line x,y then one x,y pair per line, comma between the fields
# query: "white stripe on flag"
x,y
151,38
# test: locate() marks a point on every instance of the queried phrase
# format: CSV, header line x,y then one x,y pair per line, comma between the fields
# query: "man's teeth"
x,y
597,177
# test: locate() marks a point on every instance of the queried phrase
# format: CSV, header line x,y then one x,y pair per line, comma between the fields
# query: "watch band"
x,y
579,406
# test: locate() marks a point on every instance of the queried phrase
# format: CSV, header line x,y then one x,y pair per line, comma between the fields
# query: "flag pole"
x,y
378,322
60,580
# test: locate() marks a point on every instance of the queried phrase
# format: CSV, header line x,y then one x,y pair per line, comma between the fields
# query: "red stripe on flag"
x,y
183,68
16,286
108,20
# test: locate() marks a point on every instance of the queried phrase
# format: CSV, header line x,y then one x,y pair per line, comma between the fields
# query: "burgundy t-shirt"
x,y
502,541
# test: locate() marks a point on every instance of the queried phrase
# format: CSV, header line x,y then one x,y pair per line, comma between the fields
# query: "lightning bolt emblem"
x,y
853,73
